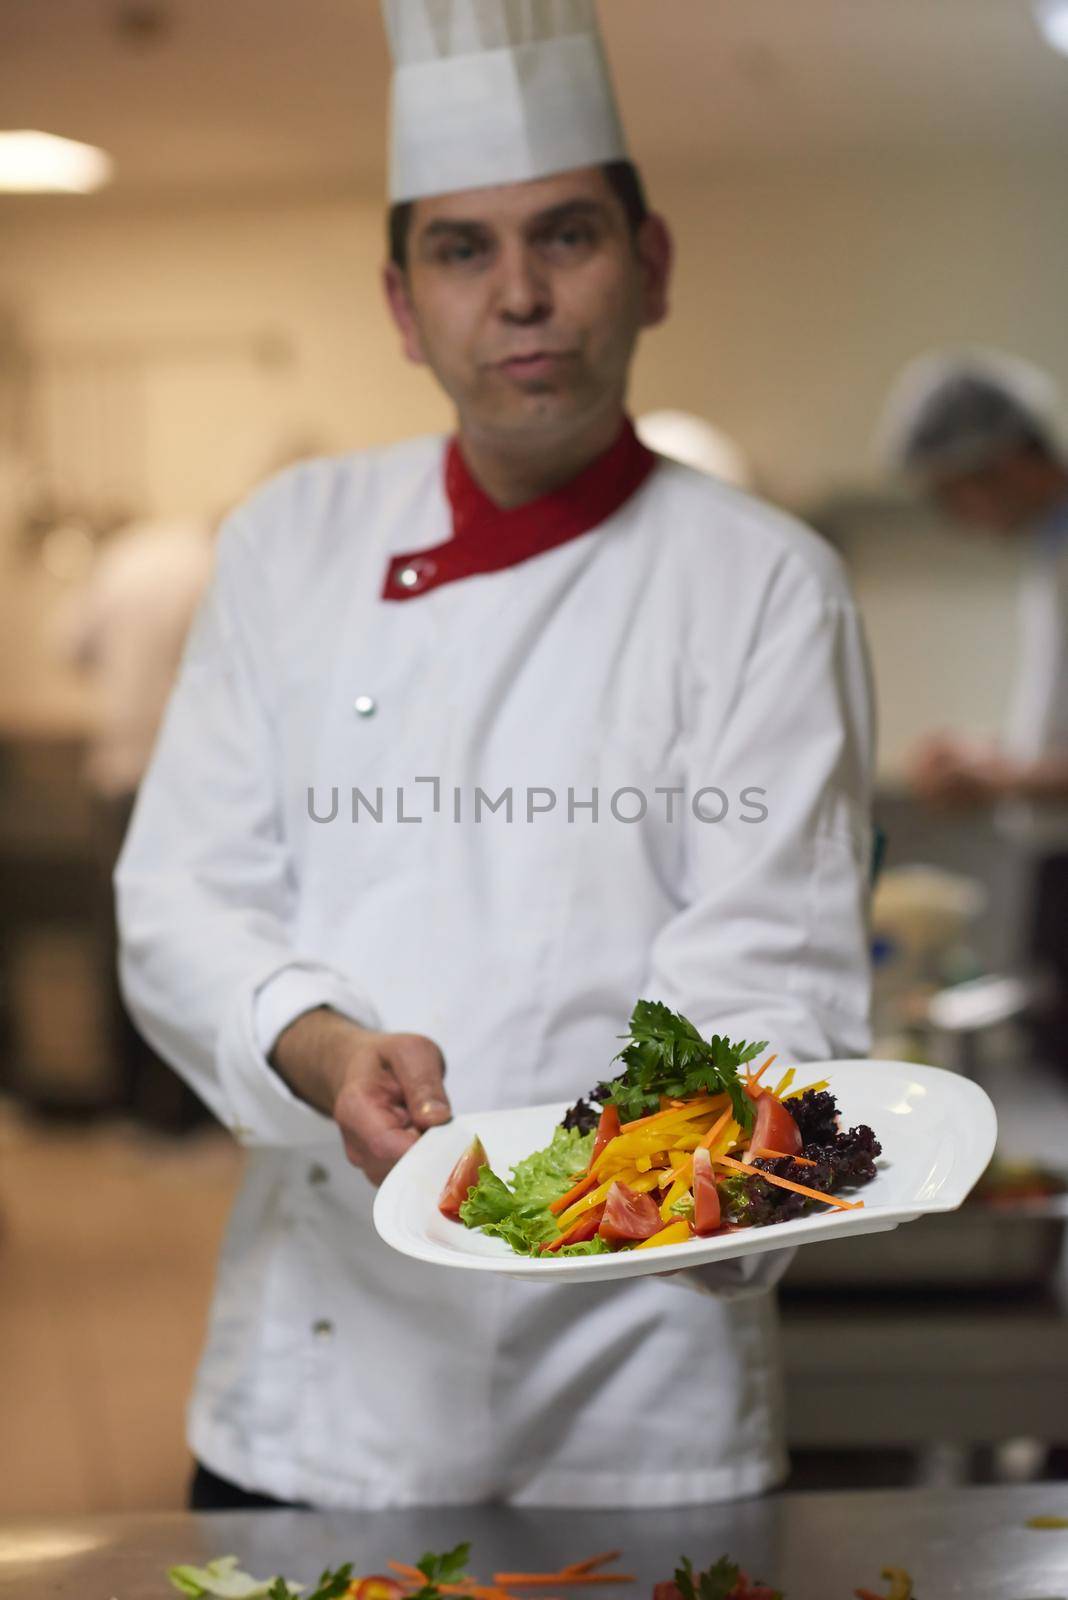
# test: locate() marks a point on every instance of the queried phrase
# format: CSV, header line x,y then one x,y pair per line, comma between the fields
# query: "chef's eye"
x,y
570,240
458,252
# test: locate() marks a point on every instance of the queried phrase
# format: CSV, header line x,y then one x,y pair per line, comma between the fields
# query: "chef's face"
x,y
1005,496
526,301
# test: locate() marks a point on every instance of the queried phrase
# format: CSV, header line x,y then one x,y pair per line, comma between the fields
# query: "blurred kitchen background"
x,y
849,185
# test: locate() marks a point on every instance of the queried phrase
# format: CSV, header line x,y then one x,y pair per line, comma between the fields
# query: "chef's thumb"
x,y
419,1068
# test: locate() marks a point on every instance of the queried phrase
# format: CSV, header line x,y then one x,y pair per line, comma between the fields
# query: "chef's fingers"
x,y
419,1067
373,1137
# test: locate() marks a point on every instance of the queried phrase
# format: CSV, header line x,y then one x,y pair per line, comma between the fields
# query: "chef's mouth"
x,y
534,362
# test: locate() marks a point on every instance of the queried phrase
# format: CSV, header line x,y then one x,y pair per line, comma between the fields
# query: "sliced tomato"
x,y
744,1589
629,1217
607,1130
462,1178
775,1128
578,1233
706,1218
376,1587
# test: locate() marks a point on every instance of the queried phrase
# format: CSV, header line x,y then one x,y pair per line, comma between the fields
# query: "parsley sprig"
x,y
718,1582
331,1586
448,1568
666,1055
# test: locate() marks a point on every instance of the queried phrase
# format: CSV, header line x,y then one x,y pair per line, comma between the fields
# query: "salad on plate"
x,y
690,1140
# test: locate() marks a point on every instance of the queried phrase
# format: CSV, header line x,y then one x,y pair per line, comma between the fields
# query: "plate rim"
x,y
629,1264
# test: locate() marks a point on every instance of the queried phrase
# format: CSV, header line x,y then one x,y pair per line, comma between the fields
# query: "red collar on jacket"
x,y
487,537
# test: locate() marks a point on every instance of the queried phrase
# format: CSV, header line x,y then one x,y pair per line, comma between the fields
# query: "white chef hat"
x,y
496,91
953,410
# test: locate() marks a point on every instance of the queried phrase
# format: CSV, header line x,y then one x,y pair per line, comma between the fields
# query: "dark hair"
x,y
623,177
971,420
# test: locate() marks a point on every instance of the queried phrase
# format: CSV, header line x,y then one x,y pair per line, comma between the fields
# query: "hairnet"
x,y
956,411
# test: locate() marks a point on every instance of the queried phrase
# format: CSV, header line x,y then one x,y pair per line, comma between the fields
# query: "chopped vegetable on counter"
x,y
900,1586
1047,1522
221,1579
721,1581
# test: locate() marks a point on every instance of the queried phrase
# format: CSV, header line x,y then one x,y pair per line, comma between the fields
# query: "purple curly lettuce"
x,y
842,1161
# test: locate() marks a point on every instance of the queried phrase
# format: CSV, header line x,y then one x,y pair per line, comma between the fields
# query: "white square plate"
x,y
937,1131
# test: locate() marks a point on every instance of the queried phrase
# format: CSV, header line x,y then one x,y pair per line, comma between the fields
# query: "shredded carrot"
x,y
785,1183
755,1077
584,1185
568,1235
568,1578
780,1155
478,1591
715,1130
592,1562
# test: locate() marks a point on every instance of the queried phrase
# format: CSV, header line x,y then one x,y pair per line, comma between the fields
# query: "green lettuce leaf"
x,y
549,1173
220,1580
520,1215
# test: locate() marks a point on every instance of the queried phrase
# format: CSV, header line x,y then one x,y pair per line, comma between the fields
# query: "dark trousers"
x,y
207,1492
1049,952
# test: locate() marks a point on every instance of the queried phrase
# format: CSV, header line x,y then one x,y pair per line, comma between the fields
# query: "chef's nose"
x,y
524,292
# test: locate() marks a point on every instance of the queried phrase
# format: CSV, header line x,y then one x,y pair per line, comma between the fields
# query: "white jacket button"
x,y
317,1174
365,705
323,1329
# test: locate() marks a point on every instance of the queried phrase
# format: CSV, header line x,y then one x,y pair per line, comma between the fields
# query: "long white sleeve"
x,y
773,942
205,885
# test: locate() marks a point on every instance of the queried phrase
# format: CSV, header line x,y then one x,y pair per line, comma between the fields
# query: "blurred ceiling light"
x,y
1052,19
43,163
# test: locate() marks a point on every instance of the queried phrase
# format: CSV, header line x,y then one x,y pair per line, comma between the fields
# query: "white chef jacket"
x,y
1037,724
696,639
126,628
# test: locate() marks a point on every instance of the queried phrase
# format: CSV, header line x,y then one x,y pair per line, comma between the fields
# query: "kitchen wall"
x,y
179,350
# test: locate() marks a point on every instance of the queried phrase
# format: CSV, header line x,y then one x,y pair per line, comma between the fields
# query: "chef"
x,y
476,741
979,433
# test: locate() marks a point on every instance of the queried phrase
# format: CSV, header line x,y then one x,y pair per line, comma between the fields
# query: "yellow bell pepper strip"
x,y
676,1192
639,1182
795,1094
584,1185
1046,1522
692,1108
675,1233
784,1083
784,1183
654,1135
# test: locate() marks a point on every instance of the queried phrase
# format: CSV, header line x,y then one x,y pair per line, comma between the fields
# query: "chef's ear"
x,y
399,299
656,251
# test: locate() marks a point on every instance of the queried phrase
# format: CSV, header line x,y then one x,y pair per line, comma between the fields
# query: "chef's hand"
x,y
382,1089
957,774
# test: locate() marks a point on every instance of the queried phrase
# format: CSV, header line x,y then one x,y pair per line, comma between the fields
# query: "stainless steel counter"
x,y
969,1543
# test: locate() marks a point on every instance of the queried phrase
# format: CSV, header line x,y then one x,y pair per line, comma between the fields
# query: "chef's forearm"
x,y
310,1056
